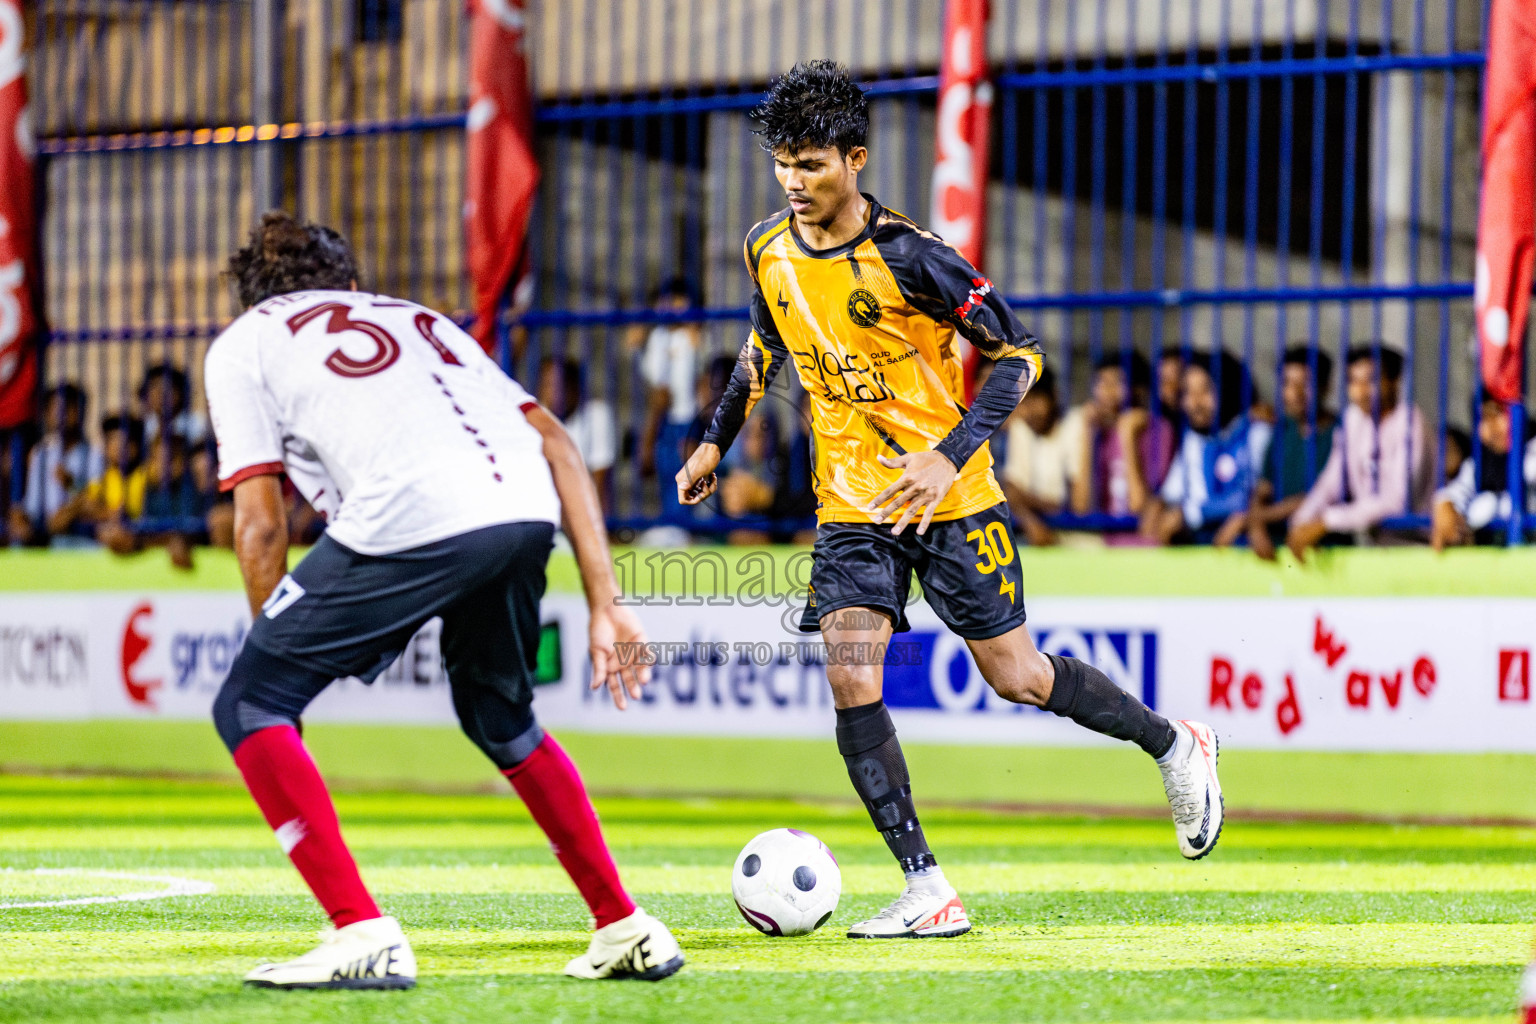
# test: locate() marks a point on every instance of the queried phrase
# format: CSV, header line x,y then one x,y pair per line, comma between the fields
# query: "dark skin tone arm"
x,y
261,537
581,517
1025,500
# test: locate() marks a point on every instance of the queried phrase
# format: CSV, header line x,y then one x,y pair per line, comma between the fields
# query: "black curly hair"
x,y
815,104
287,256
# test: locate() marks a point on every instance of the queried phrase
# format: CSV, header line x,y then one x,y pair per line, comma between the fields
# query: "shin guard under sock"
x,y
551,787
287,787
1086,695
866,737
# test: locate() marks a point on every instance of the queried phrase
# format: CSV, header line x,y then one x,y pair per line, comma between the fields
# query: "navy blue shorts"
x,y
341,613
968,568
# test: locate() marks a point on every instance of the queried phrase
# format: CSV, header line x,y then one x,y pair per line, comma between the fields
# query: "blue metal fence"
x,y
1167,174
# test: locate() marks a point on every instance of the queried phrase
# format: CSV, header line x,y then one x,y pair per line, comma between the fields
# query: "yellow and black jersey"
x,y
870,327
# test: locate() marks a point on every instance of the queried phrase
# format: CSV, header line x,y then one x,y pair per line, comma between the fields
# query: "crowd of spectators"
x,y
147,479
1208,461
1184,452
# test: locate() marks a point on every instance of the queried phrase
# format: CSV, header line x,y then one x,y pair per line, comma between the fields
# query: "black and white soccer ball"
x,y
786,882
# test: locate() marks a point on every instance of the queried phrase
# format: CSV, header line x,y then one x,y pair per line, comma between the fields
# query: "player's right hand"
x,y
696,480
620,659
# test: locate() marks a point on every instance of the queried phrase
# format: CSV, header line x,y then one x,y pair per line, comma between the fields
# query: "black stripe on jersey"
x,y
940,283
881,433
759,235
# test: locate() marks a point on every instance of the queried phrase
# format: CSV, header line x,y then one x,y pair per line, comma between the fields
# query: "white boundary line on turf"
x,y
173,887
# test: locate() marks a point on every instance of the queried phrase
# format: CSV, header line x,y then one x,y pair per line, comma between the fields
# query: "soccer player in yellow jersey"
x,y
866,306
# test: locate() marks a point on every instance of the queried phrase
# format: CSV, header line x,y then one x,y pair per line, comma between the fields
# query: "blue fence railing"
x,y
1241,186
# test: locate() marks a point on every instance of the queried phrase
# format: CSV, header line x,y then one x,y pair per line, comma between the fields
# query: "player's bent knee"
x,y
853,685
258,694
1029,683
506,732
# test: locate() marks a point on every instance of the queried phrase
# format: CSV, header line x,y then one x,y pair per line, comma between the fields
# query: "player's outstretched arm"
x,y
760,360
614,635
261,537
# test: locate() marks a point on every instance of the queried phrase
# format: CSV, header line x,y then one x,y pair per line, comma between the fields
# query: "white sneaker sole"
x,y
947,933
655,973
948,930
340,983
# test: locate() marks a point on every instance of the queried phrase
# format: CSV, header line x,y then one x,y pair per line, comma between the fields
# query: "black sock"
x,y
1086,695
866,737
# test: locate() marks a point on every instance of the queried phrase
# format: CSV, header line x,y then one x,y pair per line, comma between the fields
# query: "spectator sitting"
x,y
1375,470
1299,450
1127,447
562,390
669,365
176,504
1170,389
1458,449
59,466
1465,508
119,491
1045,458
165,396
751,475
1204,497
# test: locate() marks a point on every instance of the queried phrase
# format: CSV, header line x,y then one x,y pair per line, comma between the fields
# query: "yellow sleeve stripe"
x,y
1036,360
762,243
767,355
758,390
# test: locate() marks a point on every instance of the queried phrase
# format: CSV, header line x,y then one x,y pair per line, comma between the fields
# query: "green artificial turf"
x,y
1077,918
1460,786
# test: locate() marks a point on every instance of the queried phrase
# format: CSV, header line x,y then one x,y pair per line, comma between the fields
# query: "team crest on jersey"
x,y
863,307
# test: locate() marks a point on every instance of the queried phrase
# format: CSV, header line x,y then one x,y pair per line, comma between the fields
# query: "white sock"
x,y
1183,739
930,879
623,927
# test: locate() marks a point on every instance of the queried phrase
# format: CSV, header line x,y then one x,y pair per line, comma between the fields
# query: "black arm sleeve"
x,y
939,281
995,402
760,360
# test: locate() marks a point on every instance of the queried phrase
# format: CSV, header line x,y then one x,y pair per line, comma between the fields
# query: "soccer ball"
x,y
786,882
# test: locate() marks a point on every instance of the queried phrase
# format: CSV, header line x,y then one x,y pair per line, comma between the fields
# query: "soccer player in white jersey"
x,y
442,482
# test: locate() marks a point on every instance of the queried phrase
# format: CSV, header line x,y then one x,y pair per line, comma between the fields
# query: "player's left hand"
x,y
620,658
926,477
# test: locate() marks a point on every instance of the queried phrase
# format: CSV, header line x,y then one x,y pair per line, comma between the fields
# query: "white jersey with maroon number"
x,y
389,419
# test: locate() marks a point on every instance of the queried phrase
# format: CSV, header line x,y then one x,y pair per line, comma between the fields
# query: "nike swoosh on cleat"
x,y
1198,841
910,923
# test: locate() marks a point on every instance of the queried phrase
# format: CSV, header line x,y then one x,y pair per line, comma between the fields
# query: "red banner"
x,y
1506,226
960,153
18,233
502,173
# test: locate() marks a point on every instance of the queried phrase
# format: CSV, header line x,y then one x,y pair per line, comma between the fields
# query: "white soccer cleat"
x,y
367,954
638,947
1194,794
917,914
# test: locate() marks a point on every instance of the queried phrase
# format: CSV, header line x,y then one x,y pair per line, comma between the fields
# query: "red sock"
x,y
551,787
287,787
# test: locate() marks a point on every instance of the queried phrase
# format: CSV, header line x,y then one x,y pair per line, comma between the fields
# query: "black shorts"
x,y
969,569
342,613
